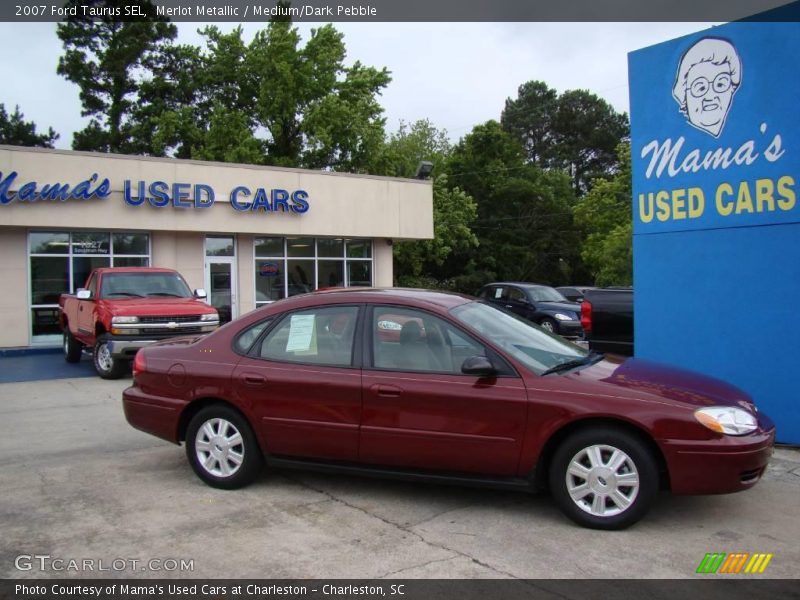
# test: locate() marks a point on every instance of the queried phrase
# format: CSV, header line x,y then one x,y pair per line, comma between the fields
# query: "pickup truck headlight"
x,y
727,419
210,317
124,320
565,317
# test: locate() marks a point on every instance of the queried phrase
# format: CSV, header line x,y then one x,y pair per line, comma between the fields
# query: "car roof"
x,y
410,296
524,284
134,270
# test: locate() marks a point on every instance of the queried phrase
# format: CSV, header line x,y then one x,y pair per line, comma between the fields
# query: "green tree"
x,y
298,103
15,130
411,144
604,215
576,132
107,58
525,225
417,263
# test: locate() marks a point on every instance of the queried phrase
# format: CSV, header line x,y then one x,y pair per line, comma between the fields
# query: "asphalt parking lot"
x,y
79,483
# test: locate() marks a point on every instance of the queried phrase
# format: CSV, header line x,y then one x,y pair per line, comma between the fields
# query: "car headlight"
x,y
209,317
727,419
124,320
565,317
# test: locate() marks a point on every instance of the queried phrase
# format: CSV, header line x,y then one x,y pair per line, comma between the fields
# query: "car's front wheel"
x,y
548,324
604,478
222,448
106,365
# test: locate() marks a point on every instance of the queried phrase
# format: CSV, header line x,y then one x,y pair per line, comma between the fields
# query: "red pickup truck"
x,y
125,308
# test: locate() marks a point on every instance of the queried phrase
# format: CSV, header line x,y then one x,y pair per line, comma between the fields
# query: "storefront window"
x,y
300,265
219,246
60,262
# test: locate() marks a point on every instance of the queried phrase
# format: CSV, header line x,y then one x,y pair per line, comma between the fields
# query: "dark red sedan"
x,y
431,386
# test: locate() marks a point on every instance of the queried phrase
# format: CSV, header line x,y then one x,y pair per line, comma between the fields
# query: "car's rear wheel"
x,y
106,365
72,348
604,478
222,448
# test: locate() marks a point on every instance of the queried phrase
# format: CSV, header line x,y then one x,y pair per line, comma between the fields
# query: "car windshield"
x,y
537,349
546,294
143,285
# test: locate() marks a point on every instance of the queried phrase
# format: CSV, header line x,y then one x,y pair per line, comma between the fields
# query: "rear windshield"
x,y
144,285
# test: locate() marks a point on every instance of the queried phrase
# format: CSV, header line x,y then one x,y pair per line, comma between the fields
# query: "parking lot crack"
x,y
404,529
412,567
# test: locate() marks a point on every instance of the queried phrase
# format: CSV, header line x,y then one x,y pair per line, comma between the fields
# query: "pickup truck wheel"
x,y
603,478
72,348
222,449
106,365
548,325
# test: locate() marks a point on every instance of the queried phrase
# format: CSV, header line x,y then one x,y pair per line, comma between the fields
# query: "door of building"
x,y
220,277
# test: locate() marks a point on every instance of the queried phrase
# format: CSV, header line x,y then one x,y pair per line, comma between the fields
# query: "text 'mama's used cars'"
x,y
431,386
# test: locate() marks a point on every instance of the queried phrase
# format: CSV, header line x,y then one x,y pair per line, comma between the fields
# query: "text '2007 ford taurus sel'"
x,y
431,386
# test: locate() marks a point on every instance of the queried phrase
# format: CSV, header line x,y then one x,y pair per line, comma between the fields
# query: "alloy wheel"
x,y
602,480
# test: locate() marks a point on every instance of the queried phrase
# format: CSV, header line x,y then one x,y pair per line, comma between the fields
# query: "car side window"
x,y
92,287
517,295
411,340
245,340
322,336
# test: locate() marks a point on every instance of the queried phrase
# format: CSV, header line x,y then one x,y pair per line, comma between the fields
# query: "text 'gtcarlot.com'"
x,y
46,562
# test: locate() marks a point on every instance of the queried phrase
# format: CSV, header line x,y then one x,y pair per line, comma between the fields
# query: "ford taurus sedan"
x,y
438,387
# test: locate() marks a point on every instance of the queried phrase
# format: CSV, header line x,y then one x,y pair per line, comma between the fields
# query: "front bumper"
x,y
123,346
728,464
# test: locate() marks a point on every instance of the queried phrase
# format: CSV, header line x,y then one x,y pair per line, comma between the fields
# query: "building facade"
x,y
248,235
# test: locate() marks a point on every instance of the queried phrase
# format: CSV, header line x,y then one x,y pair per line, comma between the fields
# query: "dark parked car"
x,y
540,304
464,393
574,293
607,320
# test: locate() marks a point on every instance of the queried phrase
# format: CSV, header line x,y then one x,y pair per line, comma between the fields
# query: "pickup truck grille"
x,y
172,332
170,319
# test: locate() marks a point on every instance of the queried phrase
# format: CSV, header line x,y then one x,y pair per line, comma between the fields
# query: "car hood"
x,y
662,382
555,306
174,307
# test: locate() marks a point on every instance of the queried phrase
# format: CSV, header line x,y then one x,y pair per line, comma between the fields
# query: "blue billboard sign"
x,y
715,144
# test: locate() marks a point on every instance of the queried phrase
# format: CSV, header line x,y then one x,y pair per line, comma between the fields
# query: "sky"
x,y
457,75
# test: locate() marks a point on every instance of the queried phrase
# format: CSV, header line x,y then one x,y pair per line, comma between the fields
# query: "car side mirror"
x,y
200,294
478,365
84,294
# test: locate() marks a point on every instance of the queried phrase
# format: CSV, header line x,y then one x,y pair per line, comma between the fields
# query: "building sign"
x,y
716,136
32,191
158,194
715,144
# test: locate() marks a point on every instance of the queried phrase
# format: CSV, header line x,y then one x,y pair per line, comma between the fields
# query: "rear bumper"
x,y
722,466
155,415
571,329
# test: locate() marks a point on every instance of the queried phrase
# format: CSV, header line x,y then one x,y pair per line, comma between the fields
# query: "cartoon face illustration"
x,y
708,76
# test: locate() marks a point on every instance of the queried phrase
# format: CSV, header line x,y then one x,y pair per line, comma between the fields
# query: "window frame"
x,y
505,369
356,352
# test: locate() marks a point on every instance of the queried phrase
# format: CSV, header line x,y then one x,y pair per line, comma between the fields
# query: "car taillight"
x,y
586,316
139,365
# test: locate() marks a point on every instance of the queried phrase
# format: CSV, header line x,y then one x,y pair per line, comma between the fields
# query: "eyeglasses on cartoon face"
x,y
700,86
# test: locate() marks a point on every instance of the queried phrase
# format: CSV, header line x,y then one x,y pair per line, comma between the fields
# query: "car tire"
x,y
603,478
222,448
549,324
73,349
106,365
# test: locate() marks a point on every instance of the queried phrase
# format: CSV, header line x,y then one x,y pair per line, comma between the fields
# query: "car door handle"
x,y
254,380
386,391
509,306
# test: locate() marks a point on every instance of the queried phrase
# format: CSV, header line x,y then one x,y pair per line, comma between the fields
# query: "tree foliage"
x,y
604,215
576,132
289,104
16,131
524,224
105,57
